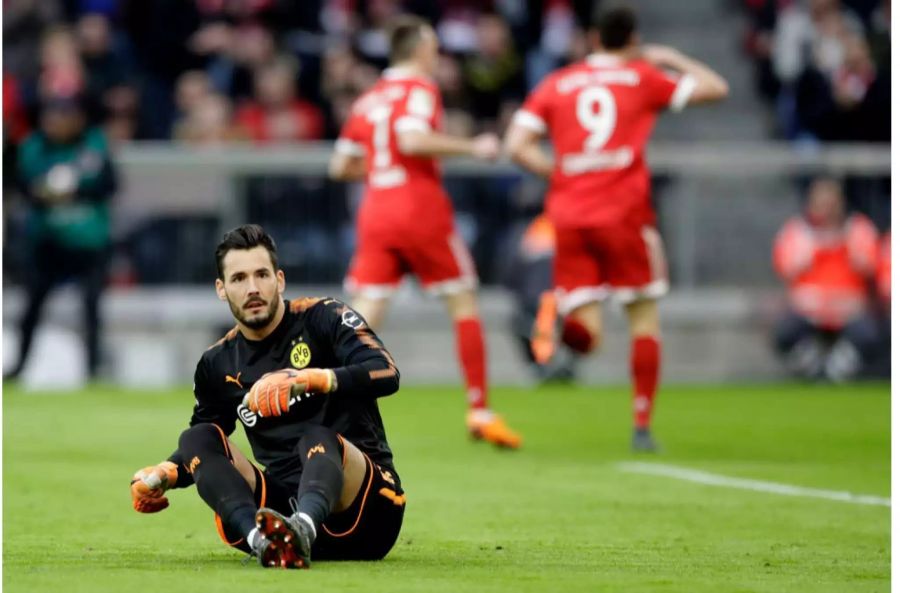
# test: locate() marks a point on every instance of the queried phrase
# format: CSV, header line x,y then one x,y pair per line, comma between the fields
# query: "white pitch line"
x,y
710,479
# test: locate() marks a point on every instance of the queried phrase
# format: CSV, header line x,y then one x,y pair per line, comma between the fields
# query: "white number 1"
x,y
380,117
596,111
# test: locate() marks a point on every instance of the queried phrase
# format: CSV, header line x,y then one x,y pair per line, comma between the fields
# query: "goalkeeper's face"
x,y
251,286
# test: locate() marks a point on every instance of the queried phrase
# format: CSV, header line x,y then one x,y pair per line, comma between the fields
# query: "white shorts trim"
x,y
652,291
569,300
452,286
369,291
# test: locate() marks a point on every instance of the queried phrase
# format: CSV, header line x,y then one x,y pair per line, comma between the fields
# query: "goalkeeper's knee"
x,y
200,441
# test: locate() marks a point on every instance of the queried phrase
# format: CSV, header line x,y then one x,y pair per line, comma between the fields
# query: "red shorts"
x,y
441,263
626,262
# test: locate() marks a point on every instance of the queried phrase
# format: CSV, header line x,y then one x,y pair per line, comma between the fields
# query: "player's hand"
x,y
271,395
149,484
661,55
486,147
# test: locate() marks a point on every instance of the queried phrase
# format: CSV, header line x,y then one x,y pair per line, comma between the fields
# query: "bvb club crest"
x,y
300,355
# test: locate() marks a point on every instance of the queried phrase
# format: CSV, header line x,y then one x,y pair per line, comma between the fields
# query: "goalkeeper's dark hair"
x,y
404,34
615,25
247,236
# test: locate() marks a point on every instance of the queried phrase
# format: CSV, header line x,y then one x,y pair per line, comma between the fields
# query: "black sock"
x,y
321,453
218,482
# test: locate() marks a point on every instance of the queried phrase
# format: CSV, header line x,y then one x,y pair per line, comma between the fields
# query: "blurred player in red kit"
x,y
599,114
405,223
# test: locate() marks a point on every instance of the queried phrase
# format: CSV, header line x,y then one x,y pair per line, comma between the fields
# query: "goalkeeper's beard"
x,y
254,322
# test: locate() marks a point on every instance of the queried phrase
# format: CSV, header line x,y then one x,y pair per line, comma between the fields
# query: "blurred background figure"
x,y
276,113
528,276
827,258
107,78
66,173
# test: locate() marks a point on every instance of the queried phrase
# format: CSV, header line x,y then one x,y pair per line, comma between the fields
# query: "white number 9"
x,y
596,112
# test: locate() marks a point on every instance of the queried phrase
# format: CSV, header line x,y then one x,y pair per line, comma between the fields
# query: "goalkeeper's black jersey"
x,y
314,333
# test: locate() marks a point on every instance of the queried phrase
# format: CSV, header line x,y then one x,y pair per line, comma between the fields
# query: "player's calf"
x,y
579,337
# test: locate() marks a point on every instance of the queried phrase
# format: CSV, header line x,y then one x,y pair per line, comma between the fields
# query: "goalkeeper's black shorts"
x,y
367,530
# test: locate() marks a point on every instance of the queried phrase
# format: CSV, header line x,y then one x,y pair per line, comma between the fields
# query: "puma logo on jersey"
x,y
320,448
236,379
193,465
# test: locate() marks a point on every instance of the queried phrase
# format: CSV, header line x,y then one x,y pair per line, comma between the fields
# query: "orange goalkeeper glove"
x,y
271,395
149,484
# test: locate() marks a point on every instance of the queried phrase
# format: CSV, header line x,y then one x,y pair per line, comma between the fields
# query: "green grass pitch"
x,y
559,515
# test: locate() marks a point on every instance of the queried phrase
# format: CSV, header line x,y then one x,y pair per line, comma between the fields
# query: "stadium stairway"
x,y
696,213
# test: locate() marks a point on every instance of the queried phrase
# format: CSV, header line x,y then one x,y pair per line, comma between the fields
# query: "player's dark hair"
x,y
615,25
404,34
247,236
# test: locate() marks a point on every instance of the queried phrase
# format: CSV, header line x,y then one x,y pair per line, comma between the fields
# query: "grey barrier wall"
x,y
719,204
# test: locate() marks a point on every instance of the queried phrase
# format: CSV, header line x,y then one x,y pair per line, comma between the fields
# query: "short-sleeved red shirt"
x,y
402,191
599,114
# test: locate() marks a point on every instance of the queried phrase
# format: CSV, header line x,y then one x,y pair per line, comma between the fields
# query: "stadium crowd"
x,y
209,71
824,65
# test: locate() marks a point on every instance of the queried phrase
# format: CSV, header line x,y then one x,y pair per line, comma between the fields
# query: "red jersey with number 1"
x,y
599,114
403,192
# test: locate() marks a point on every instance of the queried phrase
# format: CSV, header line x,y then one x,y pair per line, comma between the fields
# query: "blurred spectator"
x,y
528,276
758,44
15,118
493,72
235,54
191,88
810,34
371,39
66,172
457,107
61,69
883,274
108,80
849,104
276,114
24,23
827,260
208,122
880,35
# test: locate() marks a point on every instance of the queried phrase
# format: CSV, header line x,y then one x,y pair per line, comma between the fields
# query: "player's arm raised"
x,y
708,87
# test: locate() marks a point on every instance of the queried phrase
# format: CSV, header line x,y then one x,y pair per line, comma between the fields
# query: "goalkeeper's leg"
x,y
332,477
225,478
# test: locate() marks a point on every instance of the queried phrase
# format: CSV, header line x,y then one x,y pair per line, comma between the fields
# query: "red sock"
x,y
645,362
576,336
470,349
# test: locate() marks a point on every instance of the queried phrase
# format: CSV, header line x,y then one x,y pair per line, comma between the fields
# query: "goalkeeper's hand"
x,y
149,484
271,395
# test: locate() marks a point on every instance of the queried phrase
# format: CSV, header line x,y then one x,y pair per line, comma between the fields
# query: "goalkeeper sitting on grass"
x,y
303,377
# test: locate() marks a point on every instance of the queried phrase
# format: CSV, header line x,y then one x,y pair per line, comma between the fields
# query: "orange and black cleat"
x,y
543,338
485,425
289,540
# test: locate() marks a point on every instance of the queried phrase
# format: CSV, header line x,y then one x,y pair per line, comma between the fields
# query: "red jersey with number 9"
x,y
402,191
599,114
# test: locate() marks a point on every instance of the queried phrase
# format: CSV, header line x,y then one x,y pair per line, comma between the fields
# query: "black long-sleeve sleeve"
x,y
366,367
